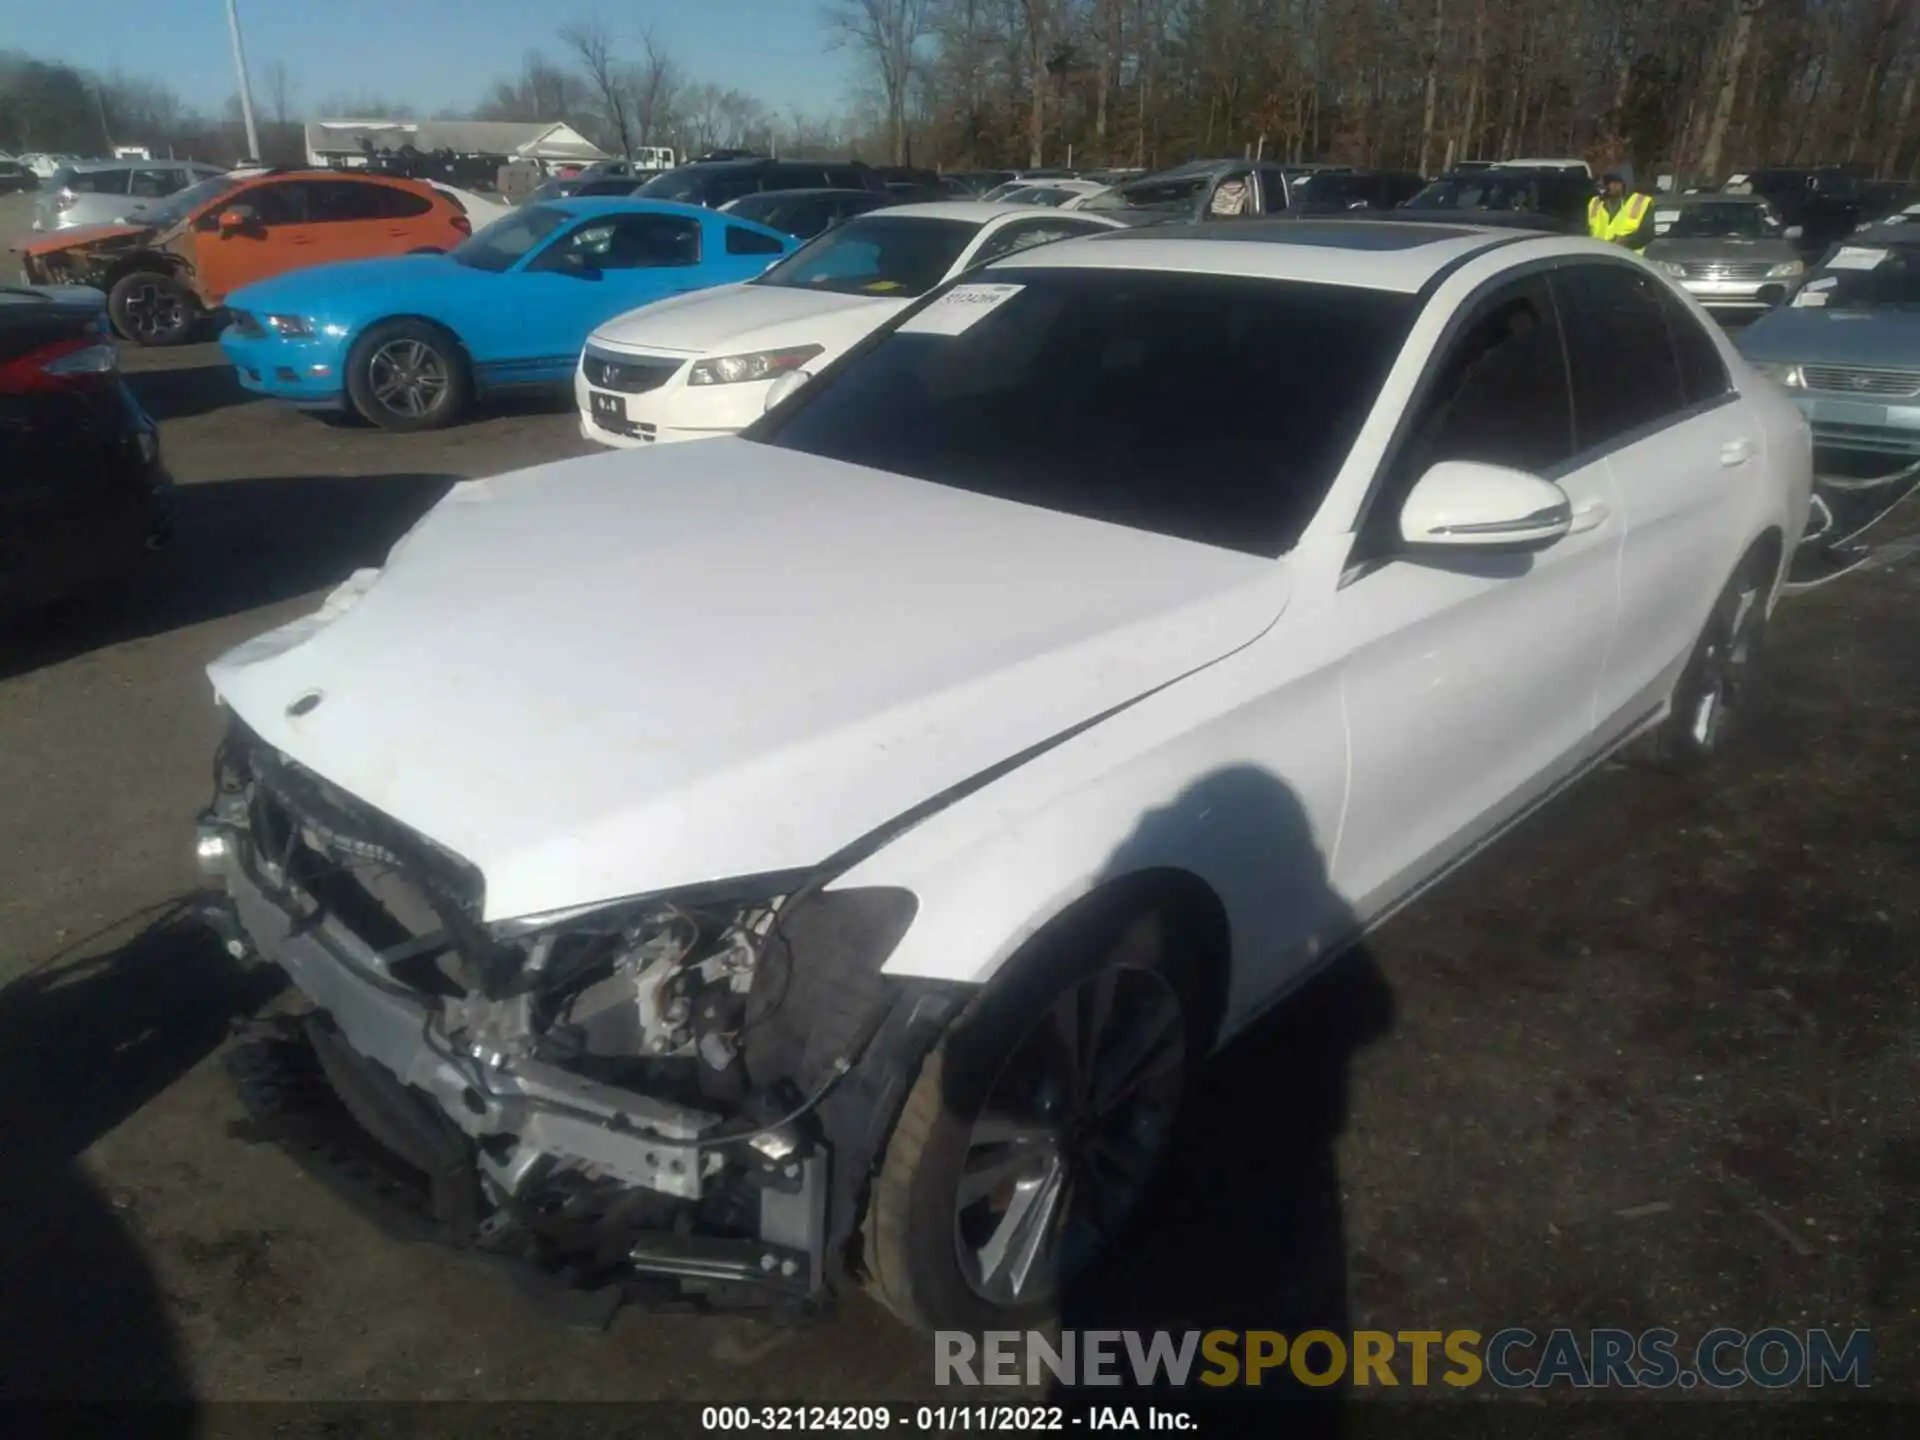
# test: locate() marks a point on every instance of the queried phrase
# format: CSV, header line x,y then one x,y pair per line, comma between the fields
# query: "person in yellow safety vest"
x,y
1625,218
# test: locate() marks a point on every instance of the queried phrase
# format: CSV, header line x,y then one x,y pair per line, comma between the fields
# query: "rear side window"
x,y
340,201
157,183
742,241
1139,398
1625,375
1500,395
1703,374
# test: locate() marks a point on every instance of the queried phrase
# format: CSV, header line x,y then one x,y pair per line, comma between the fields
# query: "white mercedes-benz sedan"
x,y
699,366
819,857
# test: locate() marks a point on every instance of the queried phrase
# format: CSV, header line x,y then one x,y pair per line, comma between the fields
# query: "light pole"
x,y
246,89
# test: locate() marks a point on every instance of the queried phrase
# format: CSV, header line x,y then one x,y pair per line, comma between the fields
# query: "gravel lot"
x,y
1652,1061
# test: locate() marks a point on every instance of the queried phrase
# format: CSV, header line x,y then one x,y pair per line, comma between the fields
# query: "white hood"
x,y
695,324
639,670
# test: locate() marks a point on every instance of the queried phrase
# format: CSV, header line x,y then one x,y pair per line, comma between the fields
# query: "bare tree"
x,y
889,31
281,88
653,84
1735,54
593,48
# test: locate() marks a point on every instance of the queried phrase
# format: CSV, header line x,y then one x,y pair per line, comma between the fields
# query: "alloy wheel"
x,y
1072,1132
1724,667
153,311
408,377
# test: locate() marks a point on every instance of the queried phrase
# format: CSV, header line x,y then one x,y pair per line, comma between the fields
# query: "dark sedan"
x,y
806,213
82,488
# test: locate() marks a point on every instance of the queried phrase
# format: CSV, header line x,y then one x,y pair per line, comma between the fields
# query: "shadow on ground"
x,y
84,1045
238,545
190,390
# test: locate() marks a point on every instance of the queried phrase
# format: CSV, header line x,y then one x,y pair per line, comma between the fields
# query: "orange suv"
x,y
210,239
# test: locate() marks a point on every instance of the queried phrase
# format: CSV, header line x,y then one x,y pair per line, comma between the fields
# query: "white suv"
x,y
698,859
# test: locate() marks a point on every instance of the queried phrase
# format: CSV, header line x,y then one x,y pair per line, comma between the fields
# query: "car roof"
x,y
91,167
1376,255
1713,197
807,192
977,211
627,204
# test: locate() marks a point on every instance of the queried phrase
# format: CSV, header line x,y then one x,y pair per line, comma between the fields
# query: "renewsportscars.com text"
x,y
1513,1358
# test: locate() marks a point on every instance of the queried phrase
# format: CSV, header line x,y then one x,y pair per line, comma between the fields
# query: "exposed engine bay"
x,y
673,1096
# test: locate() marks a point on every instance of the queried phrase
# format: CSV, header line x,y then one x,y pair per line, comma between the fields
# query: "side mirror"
x,y
235,218
1463,504
1792,232
785,386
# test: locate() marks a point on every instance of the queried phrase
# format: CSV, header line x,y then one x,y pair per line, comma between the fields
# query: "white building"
x,y
338,142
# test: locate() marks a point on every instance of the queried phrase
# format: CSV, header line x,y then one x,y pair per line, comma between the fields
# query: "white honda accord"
x,y
819,857
701,365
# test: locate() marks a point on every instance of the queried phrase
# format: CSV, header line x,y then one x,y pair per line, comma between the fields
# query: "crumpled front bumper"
x,y
450,1146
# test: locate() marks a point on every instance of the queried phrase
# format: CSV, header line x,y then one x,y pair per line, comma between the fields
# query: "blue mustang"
x,y
411,340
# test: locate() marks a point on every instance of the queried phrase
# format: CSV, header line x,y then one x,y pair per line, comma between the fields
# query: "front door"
x,y
275,237
602,267
1469,680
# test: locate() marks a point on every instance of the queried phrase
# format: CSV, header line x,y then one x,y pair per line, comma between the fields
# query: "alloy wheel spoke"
x,y
990,1167
1149,1050
1013,1251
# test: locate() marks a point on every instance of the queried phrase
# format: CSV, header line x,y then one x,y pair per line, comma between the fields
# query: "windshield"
x,y
1724,220
681,185
1145,399
1482,190
1859,277
891,255
513,235
178,206
1174,193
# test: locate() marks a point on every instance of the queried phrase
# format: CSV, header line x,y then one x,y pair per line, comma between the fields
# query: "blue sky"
x,y
433,53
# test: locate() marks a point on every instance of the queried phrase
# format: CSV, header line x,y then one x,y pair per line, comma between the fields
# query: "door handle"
x,y
1736,452
1587,517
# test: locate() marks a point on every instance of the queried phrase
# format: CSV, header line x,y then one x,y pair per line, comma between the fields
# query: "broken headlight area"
x,y
636,1100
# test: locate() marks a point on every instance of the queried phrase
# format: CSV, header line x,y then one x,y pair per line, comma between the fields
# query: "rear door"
x,y
354,219
1652,393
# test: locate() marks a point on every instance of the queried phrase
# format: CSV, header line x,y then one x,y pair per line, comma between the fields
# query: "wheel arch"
x,y
1766,555
157,262
1198,924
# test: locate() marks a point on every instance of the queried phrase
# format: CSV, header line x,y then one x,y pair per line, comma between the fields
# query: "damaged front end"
x,y
79,259
669,1099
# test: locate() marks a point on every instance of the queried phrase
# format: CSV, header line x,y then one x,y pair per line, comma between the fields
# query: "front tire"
x,y
1718,679
152,309
406,375
1034,1132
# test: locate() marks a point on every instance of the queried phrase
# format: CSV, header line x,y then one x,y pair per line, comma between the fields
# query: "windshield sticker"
x,y
1666,217
960,309
1810,300
1854,257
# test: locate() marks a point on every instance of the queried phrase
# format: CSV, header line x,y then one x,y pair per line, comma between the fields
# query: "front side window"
x,y
898,257
1210,408
1625,373
1500,396
281,203
99,182
502,244
625,242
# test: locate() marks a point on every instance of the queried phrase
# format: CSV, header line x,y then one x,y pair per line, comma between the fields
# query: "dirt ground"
x,y
1651,1061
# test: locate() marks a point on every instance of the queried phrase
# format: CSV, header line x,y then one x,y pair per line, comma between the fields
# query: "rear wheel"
x,y
1718,679
149,308
406,375
1033,1133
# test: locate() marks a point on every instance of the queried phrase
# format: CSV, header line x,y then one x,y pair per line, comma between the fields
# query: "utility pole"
x,y
246,89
